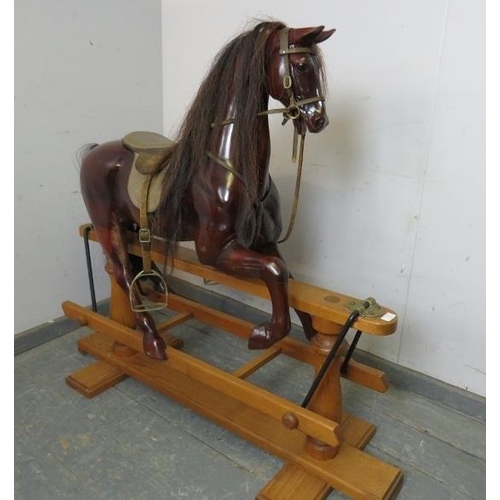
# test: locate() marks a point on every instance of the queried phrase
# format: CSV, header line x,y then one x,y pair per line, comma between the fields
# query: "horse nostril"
x,y
319,122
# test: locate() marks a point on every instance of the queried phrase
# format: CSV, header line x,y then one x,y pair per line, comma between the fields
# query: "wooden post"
x,y
120,311
327,400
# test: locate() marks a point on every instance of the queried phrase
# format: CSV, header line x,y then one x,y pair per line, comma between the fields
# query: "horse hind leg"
x,y
115,249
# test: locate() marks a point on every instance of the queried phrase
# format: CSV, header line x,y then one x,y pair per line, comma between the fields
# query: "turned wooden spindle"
x,y
327,400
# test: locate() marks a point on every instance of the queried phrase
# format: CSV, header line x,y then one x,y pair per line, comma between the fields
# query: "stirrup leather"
x,y
147,272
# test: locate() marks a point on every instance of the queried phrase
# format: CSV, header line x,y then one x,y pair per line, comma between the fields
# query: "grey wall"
x,y
392,200
84,72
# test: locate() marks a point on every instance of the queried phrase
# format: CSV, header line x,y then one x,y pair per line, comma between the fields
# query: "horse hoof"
x,y
262,337
155,348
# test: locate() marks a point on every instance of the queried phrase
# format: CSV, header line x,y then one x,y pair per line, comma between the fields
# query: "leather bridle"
x,y
292,111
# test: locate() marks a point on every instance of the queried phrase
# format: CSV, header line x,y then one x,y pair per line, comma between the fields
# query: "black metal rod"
x,y
354,343
331,355
89,266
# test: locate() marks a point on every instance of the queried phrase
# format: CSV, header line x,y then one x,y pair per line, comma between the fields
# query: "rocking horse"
x,y
146,193
216,187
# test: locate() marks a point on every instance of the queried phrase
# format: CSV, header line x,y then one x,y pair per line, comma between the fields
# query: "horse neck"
x,y
226,141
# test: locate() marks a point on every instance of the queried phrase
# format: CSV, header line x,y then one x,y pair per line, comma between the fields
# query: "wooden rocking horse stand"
x,y
216,190
319,443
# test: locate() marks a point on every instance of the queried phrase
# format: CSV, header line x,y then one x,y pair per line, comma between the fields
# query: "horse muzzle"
x,y
315,120
317,123
313,114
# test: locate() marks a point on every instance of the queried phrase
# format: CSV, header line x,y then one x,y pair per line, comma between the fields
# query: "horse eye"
x,y
302,67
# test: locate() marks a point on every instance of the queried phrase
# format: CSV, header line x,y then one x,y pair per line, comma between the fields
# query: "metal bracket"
x,y
367,308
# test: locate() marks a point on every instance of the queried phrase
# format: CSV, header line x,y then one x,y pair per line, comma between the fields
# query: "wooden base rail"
x,y
321,445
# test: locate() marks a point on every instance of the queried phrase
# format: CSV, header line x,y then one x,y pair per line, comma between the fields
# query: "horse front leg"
x,y
240,261
305,318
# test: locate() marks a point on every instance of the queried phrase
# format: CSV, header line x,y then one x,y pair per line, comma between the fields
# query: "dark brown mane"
x,y
247,82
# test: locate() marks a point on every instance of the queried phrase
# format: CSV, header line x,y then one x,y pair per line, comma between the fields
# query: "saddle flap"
x,y
153,150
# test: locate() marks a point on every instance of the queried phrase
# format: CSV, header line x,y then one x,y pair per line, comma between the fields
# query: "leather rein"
x,y
290,112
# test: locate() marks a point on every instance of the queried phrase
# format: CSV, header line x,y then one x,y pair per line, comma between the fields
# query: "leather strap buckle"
x,y
144,235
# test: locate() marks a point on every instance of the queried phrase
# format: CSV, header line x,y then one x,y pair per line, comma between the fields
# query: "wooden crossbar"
x,y
170,323
258,362
319,302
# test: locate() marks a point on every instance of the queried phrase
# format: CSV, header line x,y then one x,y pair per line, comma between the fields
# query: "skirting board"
x,y
38,335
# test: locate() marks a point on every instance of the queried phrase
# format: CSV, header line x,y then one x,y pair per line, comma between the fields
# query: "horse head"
x,y
295,75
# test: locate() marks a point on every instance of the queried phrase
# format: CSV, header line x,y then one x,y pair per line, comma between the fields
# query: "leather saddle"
x,y
152,152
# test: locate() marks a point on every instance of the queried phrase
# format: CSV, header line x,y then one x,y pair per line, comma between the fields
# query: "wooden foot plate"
x,y
96,378
294,483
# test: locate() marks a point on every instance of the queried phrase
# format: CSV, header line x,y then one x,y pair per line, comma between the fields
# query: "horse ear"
x,y
308,36
324,35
